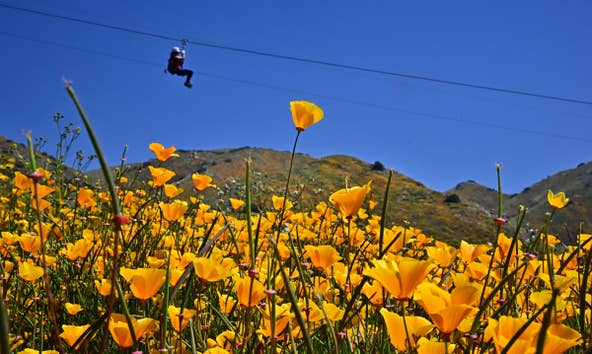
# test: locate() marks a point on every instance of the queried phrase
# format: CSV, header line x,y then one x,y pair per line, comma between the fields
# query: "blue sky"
x,y
437,134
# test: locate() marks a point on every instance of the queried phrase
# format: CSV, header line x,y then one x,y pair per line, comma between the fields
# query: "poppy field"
x,y
121,267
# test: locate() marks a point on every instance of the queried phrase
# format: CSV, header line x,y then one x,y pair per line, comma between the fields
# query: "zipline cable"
x,y
333,98
303,60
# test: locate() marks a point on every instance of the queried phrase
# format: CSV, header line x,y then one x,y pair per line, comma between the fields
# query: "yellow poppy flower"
x,y
171,191
446,309
120,332
71,334
42,190
30,243
374,292
236,203
558,200
162,153
160,175
73,309
305,114
476,270
29,271
80,248
426,346
180,320
503,329
323,256
145,282
349,200
397,328
216,350
442,254
278,201
36,351
282,317
334,313
399,277
173,211
226,303
560,338
86,198
22,182
201,182
103,286
211,270
249,296
469,252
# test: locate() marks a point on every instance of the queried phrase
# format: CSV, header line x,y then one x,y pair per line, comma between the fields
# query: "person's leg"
x,y
188,73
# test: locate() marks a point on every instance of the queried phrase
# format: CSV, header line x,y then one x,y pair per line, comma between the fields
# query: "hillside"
x,y
313,180
576,183
464,211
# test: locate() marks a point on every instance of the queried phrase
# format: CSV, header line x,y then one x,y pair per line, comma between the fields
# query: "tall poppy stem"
x,y
118,218
35,177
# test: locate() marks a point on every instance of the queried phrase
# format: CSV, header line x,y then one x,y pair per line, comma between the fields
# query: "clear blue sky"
x,y
434,133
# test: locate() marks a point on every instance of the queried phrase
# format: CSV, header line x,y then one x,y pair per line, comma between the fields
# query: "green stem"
x,y
95,142
383,217
4,329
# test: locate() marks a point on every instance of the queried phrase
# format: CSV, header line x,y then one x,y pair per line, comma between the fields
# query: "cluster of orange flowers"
x,y
188,277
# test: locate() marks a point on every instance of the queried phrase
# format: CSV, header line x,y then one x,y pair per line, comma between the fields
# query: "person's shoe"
x,y
188,84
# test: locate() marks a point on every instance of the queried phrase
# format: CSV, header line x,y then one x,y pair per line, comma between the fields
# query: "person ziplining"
x,y
175,65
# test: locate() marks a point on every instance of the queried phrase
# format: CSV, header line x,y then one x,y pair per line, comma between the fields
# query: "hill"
x,y
314,179
463,212
576,183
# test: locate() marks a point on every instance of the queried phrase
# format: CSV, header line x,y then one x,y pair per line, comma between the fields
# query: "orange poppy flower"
x,y
210,269
349,200
236,203
42,190
86,198
180,320
29,271
282,317
162,153
249,296
226,303
171,191
201,182
504,328
558,200
442,254
145,282
469,252
323,256
22,182
30,243
560,338
173,211
120,332
305,114
73,309
103,286
71,334
446,309
397,328
36,351
426,346
399,277
278,201
160,175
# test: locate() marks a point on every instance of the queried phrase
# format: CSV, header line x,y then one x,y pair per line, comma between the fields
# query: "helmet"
x,y
176,49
